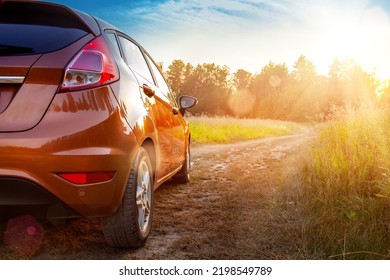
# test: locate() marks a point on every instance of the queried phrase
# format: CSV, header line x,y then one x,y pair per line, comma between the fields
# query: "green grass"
x,y
346,187
207,130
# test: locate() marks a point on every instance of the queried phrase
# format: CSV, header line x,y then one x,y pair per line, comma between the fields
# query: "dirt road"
x,y
232,209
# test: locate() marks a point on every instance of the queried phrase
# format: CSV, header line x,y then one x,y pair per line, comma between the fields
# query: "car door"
x,y
160,109
178,123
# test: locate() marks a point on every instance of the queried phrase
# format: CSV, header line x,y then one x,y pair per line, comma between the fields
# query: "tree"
x,y
175,76
306,92
209,83
241,101
349,83
275,92
268,87
304,71
241,79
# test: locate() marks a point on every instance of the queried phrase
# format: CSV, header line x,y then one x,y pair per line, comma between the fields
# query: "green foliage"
x,y
304,70
275,92
269,88
346,194
206,130
207,82
241,79
175,75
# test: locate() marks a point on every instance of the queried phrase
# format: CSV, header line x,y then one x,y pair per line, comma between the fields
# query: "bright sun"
x,y
355,34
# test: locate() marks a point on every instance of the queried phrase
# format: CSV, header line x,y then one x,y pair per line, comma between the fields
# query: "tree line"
x,y
276,92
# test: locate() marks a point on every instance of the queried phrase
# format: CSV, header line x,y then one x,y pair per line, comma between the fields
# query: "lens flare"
x,y
24,235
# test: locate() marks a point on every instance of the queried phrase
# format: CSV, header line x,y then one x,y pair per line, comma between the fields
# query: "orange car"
x,y
88,125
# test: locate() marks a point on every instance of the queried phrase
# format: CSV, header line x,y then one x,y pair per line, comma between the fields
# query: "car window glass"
x,y
27,28
135,59
162,85
114,42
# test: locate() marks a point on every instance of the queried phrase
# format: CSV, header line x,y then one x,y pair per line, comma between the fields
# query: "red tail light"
x,y
93,66
84,178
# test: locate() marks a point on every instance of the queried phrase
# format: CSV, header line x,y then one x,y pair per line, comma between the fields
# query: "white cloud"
x,y
247,33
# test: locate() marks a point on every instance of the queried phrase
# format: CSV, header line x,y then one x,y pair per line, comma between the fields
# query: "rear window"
x,y
32,28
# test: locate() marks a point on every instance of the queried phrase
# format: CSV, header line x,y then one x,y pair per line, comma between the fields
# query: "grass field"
x,y
346,187
209,130
332,203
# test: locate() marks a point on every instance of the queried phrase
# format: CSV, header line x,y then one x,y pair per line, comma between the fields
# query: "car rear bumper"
x,y
19,197
81,132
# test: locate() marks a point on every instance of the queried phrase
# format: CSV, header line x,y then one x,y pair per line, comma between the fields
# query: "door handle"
x,y
148,90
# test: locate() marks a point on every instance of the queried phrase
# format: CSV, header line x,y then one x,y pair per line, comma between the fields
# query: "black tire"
x,y
183,176
130,225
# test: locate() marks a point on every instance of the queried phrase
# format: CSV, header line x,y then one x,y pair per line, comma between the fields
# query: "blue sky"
x,y
248,34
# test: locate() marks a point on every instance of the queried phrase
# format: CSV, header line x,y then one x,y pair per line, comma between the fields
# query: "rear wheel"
x,y
129,227
183,176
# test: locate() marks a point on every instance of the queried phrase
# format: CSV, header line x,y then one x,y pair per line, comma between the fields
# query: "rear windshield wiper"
x,y
10,50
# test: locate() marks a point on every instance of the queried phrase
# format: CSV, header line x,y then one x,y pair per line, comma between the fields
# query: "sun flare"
x,y
361,35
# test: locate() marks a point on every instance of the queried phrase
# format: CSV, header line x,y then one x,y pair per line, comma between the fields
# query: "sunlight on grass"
x,y
206,130
346,194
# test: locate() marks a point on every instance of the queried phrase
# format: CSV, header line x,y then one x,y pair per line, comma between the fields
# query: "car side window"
x,y
135,58
161,83
111,36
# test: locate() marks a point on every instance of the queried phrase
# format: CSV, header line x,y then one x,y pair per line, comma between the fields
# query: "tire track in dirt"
x,y
231,209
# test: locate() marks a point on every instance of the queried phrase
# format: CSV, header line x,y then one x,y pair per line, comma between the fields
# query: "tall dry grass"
x,y
346,187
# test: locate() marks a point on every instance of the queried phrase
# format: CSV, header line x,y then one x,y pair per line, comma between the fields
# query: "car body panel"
x,y
81,131
44,132
39,87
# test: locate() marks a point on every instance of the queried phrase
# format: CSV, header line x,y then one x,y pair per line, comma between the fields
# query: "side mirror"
x,y
186,102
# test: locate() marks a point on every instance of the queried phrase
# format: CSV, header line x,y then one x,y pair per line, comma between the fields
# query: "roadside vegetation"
x,y
275,91
342,183
326,200
345,194
213,130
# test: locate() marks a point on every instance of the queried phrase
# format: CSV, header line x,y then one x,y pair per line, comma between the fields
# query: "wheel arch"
x,y
150,148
